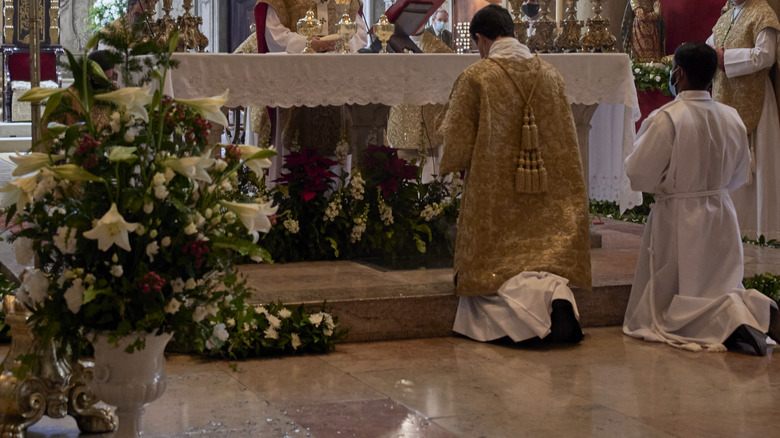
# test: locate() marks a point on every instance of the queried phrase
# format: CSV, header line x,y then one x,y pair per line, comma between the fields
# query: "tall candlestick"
x,y
558,12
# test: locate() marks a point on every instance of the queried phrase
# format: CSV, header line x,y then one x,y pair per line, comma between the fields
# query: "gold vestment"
x,y
746,92
501,232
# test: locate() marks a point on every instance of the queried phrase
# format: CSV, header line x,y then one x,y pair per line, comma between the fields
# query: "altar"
x,y
600,88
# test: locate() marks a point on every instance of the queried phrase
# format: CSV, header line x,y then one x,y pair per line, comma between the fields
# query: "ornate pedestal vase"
x,y
129,381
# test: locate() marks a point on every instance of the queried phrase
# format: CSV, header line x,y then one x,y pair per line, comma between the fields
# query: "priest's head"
x,y
490,24
135,9
693,67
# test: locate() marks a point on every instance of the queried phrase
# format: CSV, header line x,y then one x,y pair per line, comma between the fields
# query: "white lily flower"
x,y
111,229
131,99
209,107
31,162
256,165
191,167
18,191
253,216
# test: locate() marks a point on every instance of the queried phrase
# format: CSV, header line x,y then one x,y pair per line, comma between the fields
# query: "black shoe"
x,y
747,339
774,324
564,328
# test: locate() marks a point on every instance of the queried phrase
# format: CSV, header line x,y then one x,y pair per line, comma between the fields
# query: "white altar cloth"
x,y
285,80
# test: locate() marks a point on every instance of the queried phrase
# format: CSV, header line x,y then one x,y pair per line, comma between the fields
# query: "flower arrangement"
x,y
133,223
651,76
103,12
381,210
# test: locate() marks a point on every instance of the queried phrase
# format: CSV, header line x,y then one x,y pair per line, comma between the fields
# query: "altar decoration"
x,y
381,210
571,29
543,39
103,12
649,76
521,26
308,26
598,38
384,29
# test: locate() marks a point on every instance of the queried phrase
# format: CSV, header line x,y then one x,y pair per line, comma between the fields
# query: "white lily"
x,y
31,162
132,100
111,229
258,164
18,191
209,107
253,216
191,167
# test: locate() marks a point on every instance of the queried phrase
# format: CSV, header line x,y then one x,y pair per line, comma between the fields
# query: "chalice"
x,y
383,29
346,28
309,26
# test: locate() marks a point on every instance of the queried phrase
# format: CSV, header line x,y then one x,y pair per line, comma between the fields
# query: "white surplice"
x,y
687,290
281,39
522,306
758,203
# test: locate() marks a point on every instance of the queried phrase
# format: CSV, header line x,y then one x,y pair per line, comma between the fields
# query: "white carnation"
x,y
173,306
74,296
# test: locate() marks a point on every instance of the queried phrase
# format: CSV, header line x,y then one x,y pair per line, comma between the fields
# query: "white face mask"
x,y
439,25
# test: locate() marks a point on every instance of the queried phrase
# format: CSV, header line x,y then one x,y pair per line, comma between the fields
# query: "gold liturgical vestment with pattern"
x,y
318,128
745,93
502,232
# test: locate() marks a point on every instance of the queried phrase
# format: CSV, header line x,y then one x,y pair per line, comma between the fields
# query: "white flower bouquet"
x,y
132,224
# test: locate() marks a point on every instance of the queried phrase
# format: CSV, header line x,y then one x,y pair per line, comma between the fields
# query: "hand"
x,y
720,50
322,46
657,8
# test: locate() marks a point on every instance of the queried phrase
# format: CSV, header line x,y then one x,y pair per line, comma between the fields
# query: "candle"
x,y
559,11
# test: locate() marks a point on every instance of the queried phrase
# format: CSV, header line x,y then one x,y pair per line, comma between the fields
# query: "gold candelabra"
x,y
571,30
384,29
521,26
190,36
309,26
543,39
598,38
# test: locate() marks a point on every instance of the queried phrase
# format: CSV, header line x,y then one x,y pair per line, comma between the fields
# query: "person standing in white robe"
x,y
758,201
690,153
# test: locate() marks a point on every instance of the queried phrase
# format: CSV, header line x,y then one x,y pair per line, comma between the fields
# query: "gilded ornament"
x,y
598,38
521,26
569,38
543,39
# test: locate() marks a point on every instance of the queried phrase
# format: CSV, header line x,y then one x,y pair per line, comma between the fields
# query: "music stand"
x,y
408,16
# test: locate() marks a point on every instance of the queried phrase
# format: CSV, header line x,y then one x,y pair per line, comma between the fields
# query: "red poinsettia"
x,y
307,172
388,169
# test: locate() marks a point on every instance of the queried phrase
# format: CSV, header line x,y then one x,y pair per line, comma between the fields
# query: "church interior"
x,y
401,370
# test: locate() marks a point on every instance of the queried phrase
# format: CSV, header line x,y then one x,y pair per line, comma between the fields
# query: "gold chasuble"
x,y
503,231
745,93
317,128
410,126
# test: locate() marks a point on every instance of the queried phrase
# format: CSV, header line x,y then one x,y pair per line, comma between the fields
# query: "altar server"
x,y
690,153
745,38
523,224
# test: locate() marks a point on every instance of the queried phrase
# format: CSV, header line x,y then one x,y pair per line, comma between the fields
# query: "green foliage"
x,y
761,241
651,76
103,12
611,210
768,284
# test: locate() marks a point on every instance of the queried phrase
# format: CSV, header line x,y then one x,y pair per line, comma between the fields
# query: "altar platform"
x,y
380,304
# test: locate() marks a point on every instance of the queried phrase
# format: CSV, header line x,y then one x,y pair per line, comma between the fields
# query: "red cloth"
x,y
19,67
261,10
649,101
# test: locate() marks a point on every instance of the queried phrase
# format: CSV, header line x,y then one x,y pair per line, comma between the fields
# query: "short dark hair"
x,y
699,61
492,22
103,58
131,3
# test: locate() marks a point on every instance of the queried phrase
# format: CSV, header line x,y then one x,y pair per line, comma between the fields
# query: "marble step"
x,y
376,304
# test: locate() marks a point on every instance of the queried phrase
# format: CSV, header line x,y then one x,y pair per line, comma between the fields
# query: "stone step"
x,y
17,129
377,304
15,144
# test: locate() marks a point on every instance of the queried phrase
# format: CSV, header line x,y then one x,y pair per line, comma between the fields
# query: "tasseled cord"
x,y
531,174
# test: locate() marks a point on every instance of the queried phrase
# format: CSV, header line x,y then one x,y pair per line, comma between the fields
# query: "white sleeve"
x,y
278,38
711,41
738,62
646,167
360,39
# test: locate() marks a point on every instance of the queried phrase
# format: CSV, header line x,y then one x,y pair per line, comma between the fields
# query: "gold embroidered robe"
x,y
746,92
646,39
409,126
501,232
317,128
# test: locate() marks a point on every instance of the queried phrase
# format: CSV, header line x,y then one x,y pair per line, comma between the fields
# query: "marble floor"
x,y
608,386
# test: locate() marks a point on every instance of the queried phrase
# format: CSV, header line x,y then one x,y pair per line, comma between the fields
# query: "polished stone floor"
x,y
608,386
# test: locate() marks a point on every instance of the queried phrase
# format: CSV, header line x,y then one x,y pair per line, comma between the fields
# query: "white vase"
x,y
129,381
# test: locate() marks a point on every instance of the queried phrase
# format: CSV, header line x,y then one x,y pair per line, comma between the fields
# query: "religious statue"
x,y
643,33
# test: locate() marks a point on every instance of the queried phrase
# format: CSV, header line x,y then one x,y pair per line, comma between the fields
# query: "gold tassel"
x,y
525,140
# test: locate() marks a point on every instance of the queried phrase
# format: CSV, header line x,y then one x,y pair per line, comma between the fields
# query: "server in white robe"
x,y
746,37
690,153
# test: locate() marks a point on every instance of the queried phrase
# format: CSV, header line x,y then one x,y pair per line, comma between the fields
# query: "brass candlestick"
x,y
346,28
383,29
543,39
166,24
521,26
309,26
569,39
598,38
189,28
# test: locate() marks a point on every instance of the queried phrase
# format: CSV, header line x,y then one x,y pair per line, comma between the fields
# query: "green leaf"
x,y
52,105
38,94
91,293
265,153
73,172
124,154
56,129
174,41
93,42
334,245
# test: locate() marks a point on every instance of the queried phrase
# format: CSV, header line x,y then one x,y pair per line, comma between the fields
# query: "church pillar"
x,y
74,32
